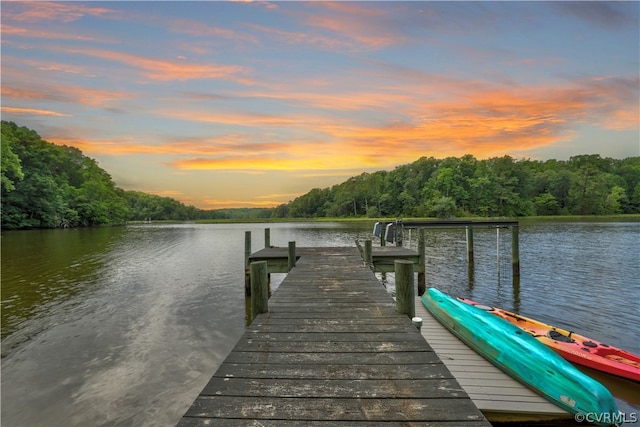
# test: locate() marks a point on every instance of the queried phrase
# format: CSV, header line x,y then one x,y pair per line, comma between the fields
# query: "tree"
x,y
11,165
46,185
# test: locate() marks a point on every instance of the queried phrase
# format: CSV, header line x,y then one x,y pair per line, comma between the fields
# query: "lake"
x,y
125,325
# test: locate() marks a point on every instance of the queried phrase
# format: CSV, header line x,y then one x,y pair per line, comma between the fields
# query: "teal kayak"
x,y
524,358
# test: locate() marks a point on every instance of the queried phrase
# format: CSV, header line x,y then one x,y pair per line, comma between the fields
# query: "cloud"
x,y
67,94
199,29
337,26
38,33
32,111
38,11
168,70
608,15
366,26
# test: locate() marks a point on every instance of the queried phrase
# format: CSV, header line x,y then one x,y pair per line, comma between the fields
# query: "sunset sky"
x,y
250,104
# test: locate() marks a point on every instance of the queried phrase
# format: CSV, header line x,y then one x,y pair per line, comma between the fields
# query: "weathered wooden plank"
x,y
353,328
279,318
331,347
335,388
305,409
308,336
207,422
353,372
354,361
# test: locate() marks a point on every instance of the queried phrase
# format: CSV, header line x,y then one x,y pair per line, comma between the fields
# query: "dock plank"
x,y
335,409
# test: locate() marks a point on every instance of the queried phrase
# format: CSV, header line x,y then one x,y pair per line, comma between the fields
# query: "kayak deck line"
x,y
332,350
496,394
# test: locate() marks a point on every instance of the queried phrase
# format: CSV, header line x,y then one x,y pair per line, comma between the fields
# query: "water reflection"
x,y
42,270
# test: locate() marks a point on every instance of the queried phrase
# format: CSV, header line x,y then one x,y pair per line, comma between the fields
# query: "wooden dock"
x,y
497,395
332,351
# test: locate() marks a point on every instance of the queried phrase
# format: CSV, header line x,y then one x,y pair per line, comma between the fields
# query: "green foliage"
x,y
49,186
500,186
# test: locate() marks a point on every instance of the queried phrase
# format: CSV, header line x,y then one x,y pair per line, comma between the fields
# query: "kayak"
x,y
523,357
574,347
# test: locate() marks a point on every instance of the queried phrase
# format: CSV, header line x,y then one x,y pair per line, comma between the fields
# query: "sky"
x,y
251,104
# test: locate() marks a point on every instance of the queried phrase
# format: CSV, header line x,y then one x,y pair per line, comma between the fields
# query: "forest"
x,y
51,186
468,187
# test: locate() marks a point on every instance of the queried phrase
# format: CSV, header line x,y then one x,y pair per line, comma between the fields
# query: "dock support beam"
x,y
368,253
259,289
292,255
247,254
405,295
267,237
469,230
422,281
515,253
399,232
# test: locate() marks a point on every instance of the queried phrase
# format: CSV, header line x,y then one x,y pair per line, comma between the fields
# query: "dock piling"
x,y
368,253
469,230
422,278
405,294
259,289
292,255
247,254
515,254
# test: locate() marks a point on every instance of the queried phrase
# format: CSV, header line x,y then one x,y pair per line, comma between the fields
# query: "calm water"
x,y
124,326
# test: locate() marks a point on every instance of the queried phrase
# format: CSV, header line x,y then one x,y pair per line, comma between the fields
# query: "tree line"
x,y
51,186
468,187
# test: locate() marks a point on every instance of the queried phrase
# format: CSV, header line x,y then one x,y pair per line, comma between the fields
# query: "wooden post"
x,y
469,244
292,255
515,253
399,230
368,253
247,253
405,295
267,244
383,232
422,275
259,289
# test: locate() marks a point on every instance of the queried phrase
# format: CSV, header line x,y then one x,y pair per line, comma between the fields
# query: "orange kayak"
x,y
573,347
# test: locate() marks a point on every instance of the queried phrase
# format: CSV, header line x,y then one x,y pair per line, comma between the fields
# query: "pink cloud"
x,y
37,11
32,111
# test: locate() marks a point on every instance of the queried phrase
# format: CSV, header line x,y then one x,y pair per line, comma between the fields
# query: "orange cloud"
x,y
199,29
396,125
70,94
38,112
10,30
45,11
165,70
230,118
